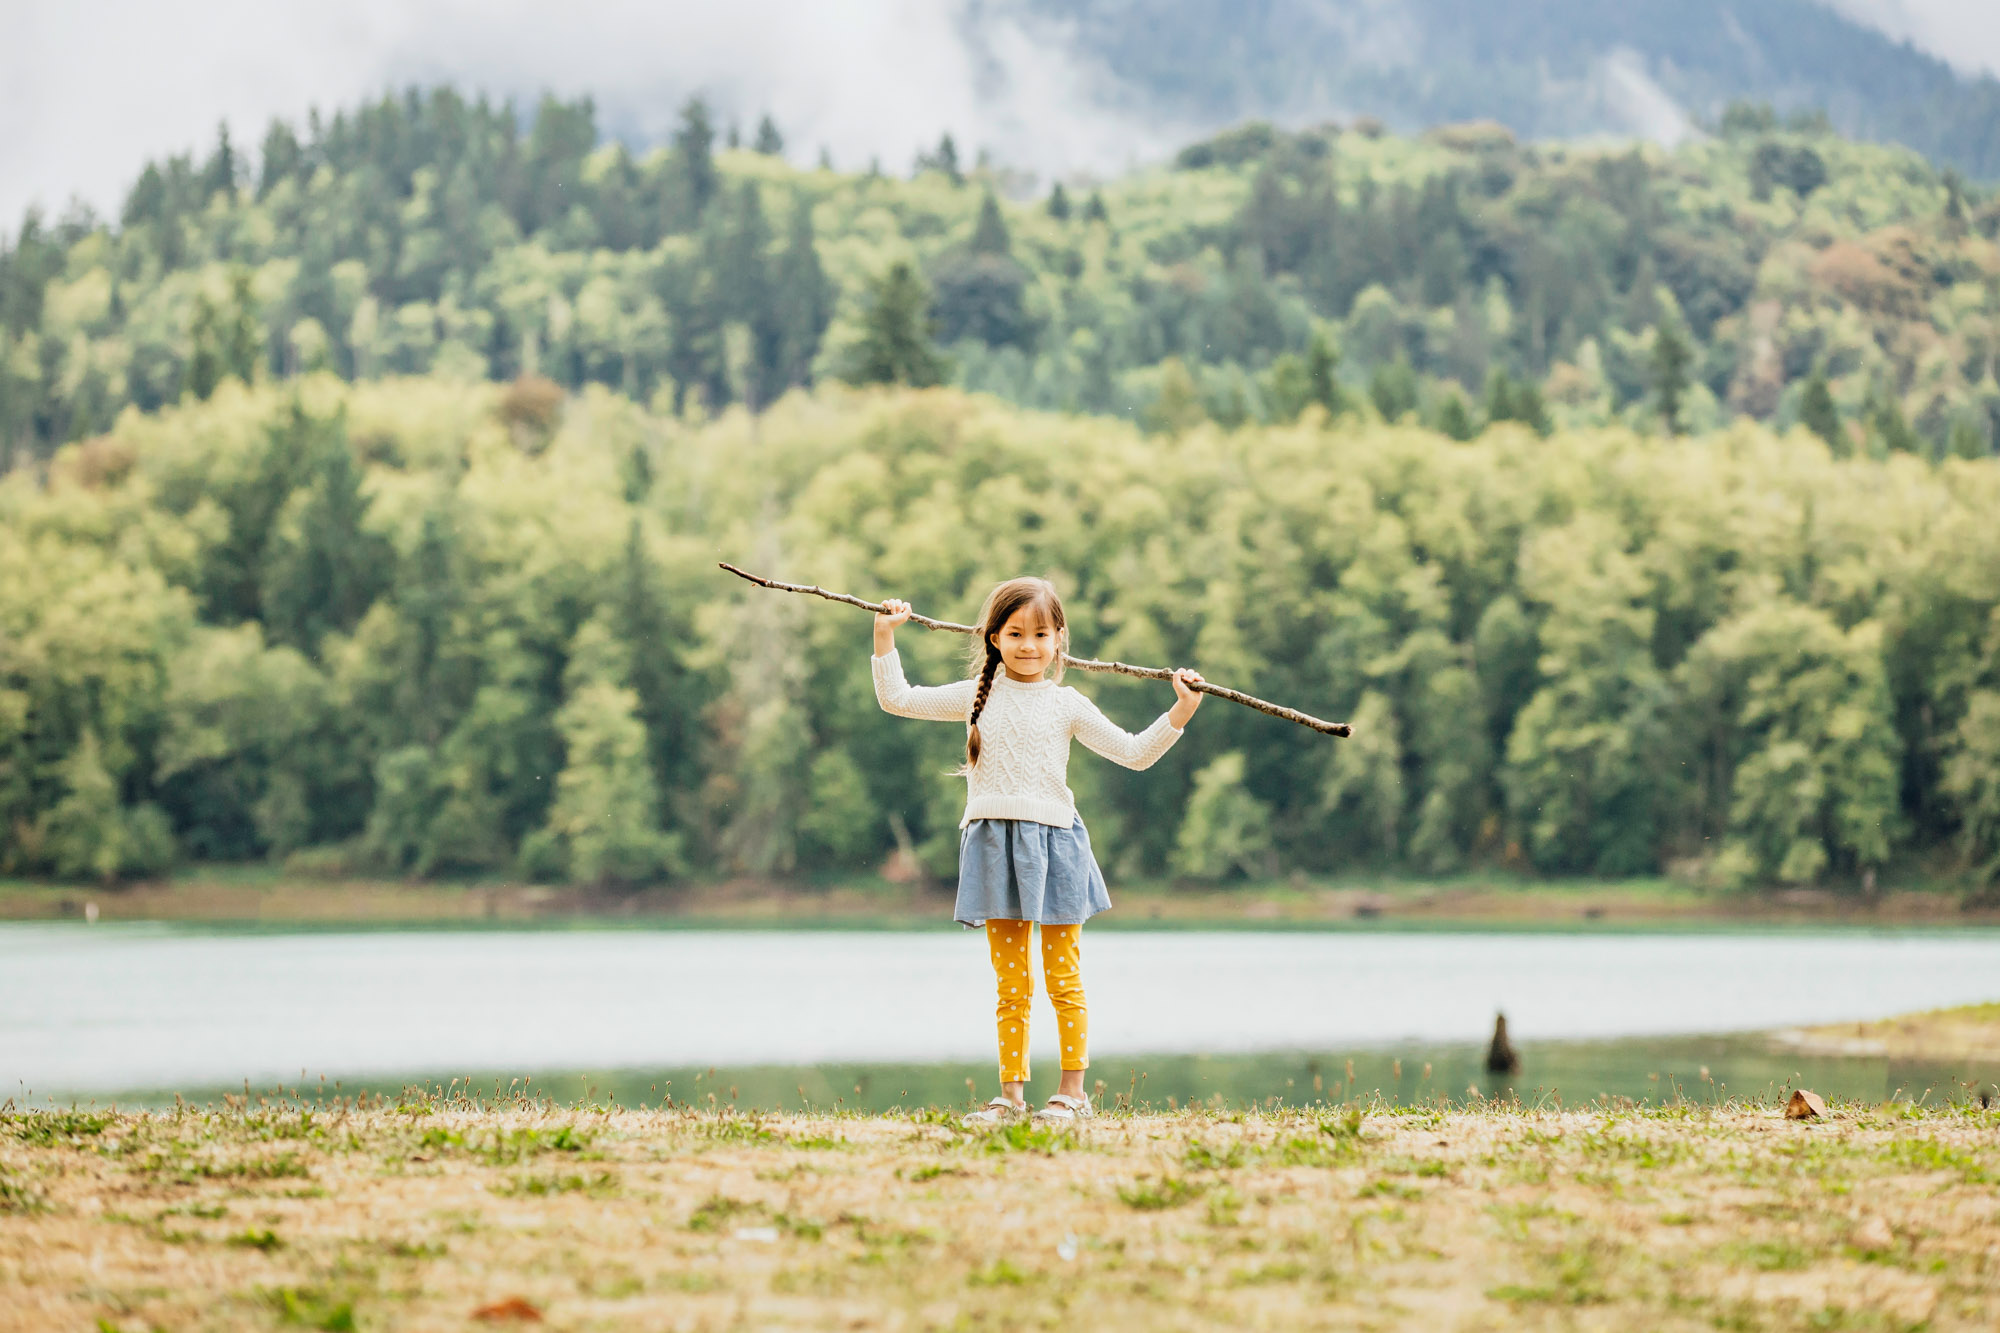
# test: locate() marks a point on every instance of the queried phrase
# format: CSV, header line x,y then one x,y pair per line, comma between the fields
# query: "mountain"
x,y
1548,68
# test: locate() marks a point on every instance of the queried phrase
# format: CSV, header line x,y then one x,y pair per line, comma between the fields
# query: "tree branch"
x,y
1080,663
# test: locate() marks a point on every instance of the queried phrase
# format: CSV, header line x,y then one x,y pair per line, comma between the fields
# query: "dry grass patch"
x,y
418,1216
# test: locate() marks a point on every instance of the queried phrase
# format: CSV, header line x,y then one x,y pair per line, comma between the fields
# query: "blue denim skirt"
x,y
1018,870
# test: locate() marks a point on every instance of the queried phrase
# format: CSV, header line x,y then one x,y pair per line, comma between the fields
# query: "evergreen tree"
x,y
1453,419
604,825
218,175
1818,414
944,160
1393,389
641,618
1888,429
1058,204
694,158
281,157
736,247
1178,408
241,335
1968,439
205,367
895,345
1322,374
1671,359
324,574
769,142
1094,210
1954,204
989,234
563,134
805,298
1499,396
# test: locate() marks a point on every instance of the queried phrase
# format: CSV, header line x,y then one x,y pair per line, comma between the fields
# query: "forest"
x,y
424,626
1635,507
1775,271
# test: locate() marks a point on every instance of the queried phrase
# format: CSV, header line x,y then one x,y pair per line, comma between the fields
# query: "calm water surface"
x,y
120,1008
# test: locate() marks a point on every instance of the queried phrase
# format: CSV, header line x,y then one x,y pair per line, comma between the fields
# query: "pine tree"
x,y
945,160
1322,374
1095,211
205,367
641,619
694,157
804,298
1967,439
1530,408
895,345
1453,419
1499,396
1671,359
242,336
330,570
219,174
604,824
989,234
1058,205
1393,389
1818,414
769,142
1888,429
280,158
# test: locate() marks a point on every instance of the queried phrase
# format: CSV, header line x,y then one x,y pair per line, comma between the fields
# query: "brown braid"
x,y
979,703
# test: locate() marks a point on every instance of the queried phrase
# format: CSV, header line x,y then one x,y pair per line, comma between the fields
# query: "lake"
x,y
146,1010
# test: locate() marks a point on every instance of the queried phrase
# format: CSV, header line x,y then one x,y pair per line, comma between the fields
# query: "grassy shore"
x,y
1970,1033
421,1214
262,893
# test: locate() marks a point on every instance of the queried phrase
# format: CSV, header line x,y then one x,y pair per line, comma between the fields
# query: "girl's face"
x,y
1027,644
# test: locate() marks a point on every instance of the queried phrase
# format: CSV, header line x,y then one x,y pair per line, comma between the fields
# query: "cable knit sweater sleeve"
x,y
1120,746
936,703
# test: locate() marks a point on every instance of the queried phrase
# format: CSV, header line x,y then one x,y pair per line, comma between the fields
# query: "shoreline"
x,y
262,896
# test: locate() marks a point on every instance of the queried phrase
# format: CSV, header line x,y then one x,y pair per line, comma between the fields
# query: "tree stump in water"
x,y
1500,1056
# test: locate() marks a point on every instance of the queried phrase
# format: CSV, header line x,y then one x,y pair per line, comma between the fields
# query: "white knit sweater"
x,y
1024,734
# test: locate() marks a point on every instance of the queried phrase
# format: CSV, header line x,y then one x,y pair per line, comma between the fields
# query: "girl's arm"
x,y
1100,734
937,703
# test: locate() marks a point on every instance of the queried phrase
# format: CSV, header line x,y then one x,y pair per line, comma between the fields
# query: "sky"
x,y
90,89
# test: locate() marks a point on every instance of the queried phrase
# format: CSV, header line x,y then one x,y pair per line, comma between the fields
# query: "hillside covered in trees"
x,y
1775,271
425,626
1636,507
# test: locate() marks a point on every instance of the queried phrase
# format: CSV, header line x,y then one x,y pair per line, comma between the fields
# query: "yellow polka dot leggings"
x,y
1062,969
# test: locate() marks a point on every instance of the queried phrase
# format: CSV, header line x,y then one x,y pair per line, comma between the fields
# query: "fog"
x,y
91,88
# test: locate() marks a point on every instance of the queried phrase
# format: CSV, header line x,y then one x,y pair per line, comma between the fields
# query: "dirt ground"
x,y
442,1214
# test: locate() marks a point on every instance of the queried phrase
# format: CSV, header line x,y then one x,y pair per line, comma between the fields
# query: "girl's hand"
x,y
885,625
1189,698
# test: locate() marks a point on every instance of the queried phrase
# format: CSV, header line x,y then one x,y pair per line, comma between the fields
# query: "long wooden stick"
x,y
1081,663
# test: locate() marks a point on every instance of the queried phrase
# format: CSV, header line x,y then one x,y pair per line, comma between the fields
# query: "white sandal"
x,y
1065,1110
999,1111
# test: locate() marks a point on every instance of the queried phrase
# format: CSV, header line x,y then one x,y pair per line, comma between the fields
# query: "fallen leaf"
x,y
1804,1106
511,1308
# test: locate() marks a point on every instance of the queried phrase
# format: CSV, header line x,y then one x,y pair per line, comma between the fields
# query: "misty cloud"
x,y
91,89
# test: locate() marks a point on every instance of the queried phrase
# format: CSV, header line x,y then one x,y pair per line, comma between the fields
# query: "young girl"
x,y
1024,856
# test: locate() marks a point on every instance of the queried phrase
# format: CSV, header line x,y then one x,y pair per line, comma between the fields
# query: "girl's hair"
x,y
1001,604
